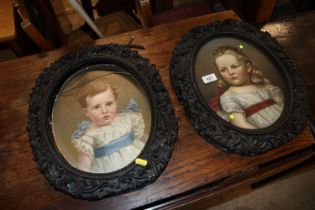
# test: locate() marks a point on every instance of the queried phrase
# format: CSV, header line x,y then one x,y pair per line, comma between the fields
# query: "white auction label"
x,y
209,78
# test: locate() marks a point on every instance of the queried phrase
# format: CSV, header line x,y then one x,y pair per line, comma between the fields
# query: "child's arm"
x,y
276,94
238,119
85,162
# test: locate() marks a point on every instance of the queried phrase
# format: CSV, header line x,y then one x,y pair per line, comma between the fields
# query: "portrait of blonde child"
x,y
244,97
109,140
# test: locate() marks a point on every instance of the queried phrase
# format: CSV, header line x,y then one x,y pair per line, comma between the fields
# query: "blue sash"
x,y
114,146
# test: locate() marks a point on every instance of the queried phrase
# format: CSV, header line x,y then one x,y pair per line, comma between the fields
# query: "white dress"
x,y
239,102
88,143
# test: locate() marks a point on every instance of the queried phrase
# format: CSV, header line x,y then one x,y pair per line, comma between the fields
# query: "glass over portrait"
x,y
238,87
101,120
97,119
239,83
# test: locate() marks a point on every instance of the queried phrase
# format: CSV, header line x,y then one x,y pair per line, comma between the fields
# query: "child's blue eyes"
x,y
96,107
99,106
233,67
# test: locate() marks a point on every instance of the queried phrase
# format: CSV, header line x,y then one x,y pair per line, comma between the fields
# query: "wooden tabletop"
x,y
297,36
195,171
7,24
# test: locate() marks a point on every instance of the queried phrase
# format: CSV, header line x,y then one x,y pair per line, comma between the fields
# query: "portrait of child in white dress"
x,y
110,139
244,96
101,120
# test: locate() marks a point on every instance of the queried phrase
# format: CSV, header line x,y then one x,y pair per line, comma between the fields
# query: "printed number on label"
x,y
209,78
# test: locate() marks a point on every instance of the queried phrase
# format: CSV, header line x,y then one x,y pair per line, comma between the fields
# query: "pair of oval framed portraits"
x,y
101,122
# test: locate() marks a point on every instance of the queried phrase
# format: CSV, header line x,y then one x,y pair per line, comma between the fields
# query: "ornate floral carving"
x,y
215,130
90,186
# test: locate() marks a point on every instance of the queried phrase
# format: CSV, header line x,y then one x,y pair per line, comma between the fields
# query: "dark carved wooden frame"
x,y
93,186
214,129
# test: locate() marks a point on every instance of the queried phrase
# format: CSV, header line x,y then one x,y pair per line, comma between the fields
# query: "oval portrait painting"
x,y
238,87
101,120
239,83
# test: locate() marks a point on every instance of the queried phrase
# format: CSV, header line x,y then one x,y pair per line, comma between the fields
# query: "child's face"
x,y
101,108
233,71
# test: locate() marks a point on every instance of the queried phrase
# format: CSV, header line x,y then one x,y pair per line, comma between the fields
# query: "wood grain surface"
x,y
196,169
297,36
7,29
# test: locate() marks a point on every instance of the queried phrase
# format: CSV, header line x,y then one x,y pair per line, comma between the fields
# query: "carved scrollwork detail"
x,y
214,129
157,150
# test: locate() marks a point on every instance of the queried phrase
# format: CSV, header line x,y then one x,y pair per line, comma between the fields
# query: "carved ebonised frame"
x,y
54,114
197,75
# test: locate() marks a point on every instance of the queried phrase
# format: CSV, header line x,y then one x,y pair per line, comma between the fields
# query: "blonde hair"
x,y
93,88
255,75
